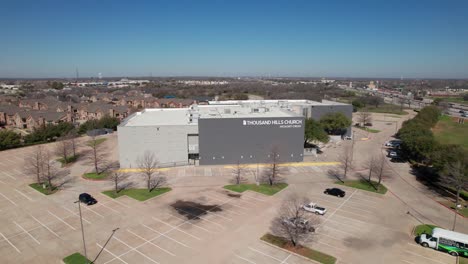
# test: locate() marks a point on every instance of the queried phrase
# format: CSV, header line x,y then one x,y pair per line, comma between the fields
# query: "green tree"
x,y
9,139
335,123
314,131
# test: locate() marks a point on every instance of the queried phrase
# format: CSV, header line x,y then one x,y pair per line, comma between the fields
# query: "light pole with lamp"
x,y
82,230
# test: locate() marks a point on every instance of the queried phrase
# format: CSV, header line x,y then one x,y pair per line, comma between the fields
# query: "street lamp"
x,y
102,248
82,230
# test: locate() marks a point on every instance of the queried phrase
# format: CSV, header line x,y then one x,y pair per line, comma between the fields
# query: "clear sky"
x,y
310,38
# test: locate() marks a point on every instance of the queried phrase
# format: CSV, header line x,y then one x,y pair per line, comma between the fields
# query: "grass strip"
x,y
138,194
262,188
364,185
40,188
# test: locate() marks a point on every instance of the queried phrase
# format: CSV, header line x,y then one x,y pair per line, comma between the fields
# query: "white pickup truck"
x,y
314,208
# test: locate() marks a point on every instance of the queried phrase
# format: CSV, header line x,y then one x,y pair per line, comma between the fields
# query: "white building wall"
x,y
168,143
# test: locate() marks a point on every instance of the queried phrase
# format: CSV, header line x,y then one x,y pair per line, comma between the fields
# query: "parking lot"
x,y
198,222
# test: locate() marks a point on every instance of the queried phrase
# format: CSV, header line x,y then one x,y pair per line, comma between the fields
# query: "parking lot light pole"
x,y
102,248
82,230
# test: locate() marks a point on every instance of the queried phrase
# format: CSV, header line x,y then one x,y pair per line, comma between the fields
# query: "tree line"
x,y
50,133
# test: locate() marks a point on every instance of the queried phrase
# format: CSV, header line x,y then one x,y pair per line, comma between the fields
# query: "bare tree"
x,y
364,118
117,178
72,136
380,169
96,156
50,173
346,161
293,223
63,149
273,173
238,173
455,175
370,165
148,165
33,164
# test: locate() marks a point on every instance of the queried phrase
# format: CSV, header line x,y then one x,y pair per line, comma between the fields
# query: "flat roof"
x,y
188,116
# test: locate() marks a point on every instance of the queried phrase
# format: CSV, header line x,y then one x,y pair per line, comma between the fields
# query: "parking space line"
x,y
61,220
29,234
240,207
115,257
45,226
336,210
265,254
27,197
284,260
166,232
421,256
2,182
8,199
328,245
11,244
114,200
358,197
344,232
363,204
9,175
222,216
354,213
93,211
356,208
172,227
104,204
244,259
204,218
76,214
407,261
168,237
135,249
333,237
339,223
255,198
187,222
150,242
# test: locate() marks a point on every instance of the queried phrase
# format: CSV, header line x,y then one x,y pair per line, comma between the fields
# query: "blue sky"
x,y
376,38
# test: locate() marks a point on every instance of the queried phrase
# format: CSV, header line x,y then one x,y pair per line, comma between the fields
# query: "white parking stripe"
x,y
27,197
45,226
265,254
201,217
328,245
76,214
132,248
8,199
217,199
104,204
255,198
284,260
146,240
338,230
114,200
115,257
338,208
9,175
24,230
218,215
98,214
61,220
407,261
11,244
168,237
244,259
421,256
187,222
176,228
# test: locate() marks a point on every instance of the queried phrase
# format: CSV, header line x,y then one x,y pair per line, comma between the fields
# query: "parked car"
x,y
348,138
464,115
392,154
461,112
314,208
298,222
335,192
87,199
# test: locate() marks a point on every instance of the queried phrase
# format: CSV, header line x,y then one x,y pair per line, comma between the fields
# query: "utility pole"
x,y
82,230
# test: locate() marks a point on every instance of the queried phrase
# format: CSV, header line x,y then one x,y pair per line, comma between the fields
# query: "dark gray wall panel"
x,y
250,140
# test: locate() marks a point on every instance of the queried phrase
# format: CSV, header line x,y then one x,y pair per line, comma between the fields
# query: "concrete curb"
x,y
412,230
153,197
451,209
290,252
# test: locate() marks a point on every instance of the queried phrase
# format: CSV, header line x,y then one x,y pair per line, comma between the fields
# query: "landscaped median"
x,y
262,188
43,188
370,130
95,176
364,185
69,160
300,250
423,229
76,258
138,194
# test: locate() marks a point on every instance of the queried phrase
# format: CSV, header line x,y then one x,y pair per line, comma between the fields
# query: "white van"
x,y
454,243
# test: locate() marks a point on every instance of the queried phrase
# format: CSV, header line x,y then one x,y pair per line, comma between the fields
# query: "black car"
x,y
335,192
87,199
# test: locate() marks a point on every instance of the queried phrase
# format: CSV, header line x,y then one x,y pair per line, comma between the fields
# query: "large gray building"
x,y
223,132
